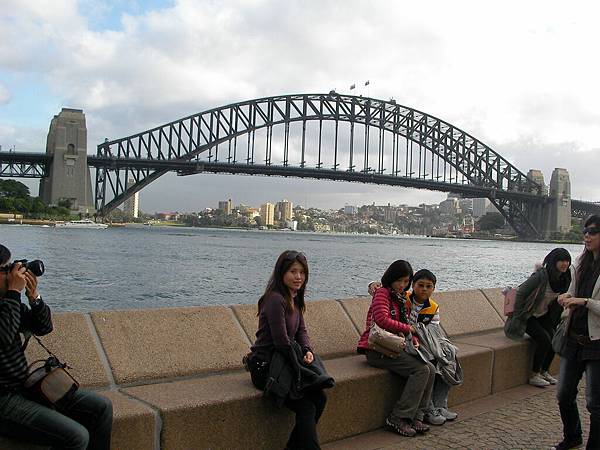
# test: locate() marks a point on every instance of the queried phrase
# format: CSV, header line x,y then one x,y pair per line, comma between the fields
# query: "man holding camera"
x,y
83,420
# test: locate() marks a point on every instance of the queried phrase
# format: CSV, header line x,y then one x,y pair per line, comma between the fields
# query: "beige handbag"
x,y
383,341
48,381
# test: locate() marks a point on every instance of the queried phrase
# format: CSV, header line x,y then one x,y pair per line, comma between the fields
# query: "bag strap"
x,y
28,335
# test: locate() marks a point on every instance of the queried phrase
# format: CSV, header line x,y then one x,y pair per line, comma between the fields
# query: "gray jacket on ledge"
x,y
435,346
526,303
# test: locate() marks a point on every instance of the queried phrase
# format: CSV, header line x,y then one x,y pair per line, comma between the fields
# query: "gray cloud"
x,y
4,95
455,61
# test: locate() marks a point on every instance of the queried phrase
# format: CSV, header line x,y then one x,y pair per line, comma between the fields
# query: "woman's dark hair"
x,y
276,284
586,259
398,269
4,255
559,281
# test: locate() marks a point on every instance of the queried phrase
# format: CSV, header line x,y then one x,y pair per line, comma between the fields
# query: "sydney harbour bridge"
x,y
319,136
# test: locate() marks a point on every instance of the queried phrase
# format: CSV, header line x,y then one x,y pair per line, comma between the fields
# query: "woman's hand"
x,y
562,298
373,286
413,330
309,357
572,302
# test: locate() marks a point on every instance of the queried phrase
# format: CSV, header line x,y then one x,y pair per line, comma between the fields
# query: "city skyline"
x,y
229,205
131,66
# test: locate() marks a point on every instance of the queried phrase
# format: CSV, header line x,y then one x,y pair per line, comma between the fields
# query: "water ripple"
x,y
154,267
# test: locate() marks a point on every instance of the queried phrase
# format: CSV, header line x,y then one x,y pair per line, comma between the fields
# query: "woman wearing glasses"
x,y
581,352
280,329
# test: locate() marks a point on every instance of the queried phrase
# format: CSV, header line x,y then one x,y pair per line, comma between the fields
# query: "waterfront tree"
x,y
491,221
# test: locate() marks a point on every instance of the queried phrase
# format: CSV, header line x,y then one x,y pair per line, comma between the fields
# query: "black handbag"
x,y
48,382
258,368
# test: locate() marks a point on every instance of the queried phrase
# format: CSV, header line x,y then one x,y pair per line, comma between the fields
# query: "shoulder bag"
x,y
559,338
510,299
48,381
385,342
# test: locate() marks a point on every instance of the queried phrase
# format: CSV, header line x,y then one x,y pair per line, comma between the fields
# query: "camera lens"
x,y
36,267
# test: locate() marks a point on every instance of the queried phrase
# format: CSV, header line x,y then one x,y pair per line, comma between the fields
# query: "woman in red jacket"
x,y
389,312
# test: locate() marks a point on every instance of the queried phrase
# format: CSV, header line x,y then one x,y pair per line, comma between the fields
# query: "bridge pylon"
x,y
68,172
559,217
554,216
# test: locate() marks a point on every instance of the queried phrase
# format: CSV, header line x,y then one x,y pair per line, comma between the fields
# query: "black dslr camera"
x,y
36,266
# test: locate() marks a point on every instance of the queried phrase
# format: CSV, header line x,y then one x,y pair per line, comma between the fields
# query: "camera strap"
x,y
28,335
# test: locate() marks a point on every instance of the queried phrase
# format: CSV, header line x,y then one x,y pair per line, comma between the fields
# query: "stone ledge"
x,y
170,342
512,359
193,355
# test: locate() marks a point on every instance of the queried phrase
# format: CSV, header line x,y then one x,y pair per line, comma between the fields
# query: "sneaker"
x,y
434,417
537,380
447,414
419,426
400,426
567,444
549,378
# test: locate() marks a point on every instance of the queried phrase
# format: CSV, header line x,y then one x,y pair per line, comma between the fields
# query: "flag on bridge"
x,y
352,86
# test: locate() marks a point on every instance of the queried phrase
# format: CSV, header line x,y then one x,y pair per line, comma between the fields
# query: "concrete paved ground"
x,y
524,418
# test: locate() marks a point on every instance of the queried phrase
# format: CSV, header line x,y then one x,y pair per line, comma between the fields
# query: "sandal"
x,y
400,426
420,427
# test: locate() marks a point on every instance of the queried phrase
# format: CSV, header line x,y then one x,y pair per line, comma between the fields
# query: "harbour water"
x,y
152,267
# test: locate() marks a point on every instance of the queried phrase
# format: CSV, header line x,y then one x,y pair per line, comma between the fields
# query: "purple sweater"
x,y
277,327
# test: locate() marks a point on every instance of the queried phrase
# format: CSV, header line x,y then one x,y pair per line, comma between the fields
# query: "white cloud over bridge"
x,y
520,76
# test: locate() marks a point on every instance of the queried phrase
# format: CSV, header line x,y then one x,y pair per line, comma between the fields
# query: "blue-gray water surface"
x,y
151,267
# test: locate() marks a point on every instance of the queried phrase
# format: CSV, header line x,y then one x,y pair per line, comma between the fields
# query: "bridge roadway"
x,y
33,165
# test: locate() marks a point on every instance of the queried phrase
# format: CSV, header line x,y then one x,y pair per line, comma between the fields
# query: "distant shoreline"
x,y
41,222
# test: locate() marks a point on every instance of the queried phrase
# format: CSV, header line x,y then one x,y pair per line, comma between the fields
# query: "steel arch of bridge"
x,y
446,157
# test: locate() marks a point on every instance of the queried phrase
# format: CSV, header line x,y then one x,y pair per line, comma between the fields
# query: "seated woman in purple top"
x,y
280,321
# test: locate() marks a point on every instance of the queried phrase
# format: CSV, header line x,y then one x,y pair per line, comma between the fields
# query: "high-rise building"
x,y
131,205
284,210
465,205
267,214
226,207
350,210
480,206
449,206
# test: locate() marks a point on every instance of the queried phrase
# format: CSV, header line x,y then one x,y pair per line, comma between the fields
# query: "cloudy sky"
x,y
521,76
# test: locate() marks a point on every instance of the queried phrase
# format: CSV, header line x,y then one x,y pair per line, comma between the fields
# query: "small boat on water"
x,y
83,223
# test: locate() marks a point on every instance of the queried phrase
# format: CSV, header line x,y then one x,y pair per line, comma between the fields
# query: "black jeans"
x,y
541,329
83,422
571,371
308,411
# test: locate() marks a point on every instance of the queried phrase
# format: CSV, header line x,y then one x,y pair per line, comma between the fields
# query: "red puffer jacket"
x,y
381,311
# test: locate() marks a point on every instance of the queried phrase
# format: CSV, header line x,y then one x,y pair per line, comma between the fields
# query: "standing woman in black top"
x,y
281,320
581,352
